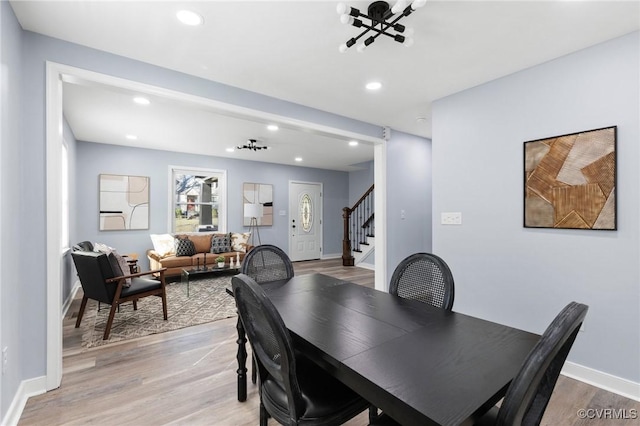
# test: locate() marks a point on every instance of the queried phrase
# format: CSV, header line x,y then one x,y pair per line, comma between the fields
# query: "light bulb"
x,y
361,47
346,19
417,4
408,41
342,8
399,6
408,32
343,47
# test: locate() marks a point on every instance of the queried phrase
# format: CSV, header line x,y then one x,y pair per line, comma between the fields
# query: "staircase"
x,y
359,230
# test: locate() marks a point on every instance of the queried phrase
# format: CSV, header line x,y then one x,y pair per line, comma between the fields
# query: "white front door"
x,y
305,220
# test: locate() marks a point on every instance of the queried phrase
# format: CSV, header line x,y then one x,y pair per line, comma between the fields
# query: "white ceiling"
x,y
289,50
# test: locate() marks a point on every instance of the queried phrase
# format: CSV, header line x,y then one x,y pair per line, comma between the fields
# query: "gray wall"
x,y
408,190
13,297
94,159
359,182
523,277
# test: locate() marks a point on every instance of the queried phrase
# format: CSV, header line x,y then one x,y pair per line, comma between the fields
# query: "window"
x,y
198,200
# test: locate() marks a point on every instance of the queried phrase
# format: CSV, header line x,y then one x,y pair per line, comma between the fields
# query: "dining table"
x,y
420,364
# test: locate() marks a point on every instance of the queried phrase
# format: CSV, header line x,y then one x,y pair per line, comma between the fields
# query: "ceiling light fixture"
x,y
383,21
188,17
141,101
298,159
353,143
132,137
230,150
272,127
252,145
373,85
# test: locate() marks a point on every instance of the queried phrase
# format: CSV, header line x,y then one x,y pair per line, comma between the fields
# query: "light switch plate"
x,y
451,218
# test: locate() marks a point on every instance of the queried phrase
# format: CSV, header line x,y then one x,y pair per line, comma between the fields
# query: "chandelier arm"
x,y
386,25
379,31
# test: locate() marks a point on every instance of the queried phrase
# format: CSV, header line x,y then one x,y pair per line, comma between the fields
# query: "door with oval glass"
x,y
305,220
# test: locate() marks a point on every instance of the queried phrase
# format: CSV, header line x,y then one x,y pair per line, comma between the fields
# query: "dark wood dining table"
x,y
419,364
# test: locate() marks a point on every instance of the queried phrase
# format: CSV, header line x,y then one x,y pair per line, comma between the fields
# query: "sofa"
x,y
178,251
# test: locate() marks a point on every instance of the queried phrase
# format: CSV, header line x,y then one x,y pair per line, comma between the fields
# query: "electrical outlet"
x,y
4,359
403,214
451,218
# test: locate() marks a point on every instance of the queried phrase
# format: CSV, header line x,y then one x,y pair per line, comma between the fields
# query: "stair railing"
x,y
358,225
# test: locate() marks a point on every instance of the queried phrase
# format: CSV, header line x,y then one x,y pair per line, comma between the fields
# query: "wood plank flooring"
x,y
187,377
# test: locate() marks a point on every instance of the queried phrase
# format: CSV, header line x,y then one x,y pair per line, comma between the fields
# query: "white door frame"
x,y
57,73
321,224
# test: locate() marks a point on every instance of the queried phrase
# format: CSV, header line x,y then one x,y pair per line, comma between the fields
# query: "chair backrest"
x,y
83,246
529,392
266,263
93,269
424,277
269,338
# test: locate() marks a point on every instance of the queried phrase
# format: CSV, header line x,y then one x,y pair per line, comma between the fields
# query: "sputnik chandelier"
x,y
383,21
252,145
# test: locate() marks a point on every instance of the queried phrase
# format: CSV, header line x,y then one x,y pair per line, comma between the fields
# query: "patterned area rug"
x,y
207,302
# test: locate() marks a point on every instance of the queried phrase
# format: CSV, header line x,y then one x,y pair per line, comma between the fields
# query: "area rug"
x,y
207,302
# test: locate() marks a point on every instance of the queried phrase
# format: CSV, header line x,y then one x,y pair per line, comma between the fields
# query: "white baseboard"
x,y
331,256
27,389
605,381
72,295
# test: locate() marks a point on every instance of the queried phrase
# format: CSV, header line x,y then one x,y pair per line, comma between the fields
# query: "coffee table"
x,y
188,273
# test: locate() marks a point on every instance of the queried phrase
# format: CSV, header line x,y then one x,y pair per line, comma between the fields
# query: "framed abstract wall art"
x,y
570,181
258,198
124,202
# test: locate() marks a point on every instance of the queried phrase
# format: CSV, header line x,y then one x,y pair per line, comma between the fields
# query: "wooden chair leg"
x,y
81,312
264,415
164,304
112,313
135,305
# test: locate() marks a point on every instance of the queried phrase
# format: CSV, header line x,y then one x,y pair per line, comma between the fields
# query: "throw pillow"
x,y
221,243
239,241
184,247
115,261
118,260
163,244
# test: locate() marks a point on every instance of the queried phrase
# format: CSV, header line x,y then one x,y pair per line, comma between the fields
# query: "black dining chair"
x,y
266,263
424,277
293,390
530,391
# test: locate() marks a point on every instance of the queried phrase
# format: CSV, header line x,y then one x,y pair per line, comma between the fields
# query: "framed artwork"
x,y
570,181
124,202
257,200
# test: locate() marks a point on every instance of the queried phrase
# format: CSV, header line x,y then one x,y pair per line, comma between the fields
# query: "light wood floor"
x,y
187,377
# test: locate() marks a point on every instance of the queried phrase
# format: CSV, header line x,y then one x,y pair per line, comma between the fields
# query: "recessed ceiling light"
x,y
188,17
353,143
230,150
298,159
132,137
421,119
373,85
141,101
272,127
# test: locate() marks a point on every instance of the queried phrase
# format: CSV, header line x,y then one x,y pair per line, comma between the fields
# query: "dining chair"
x,y
424,277
266,263
292,389
530,391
